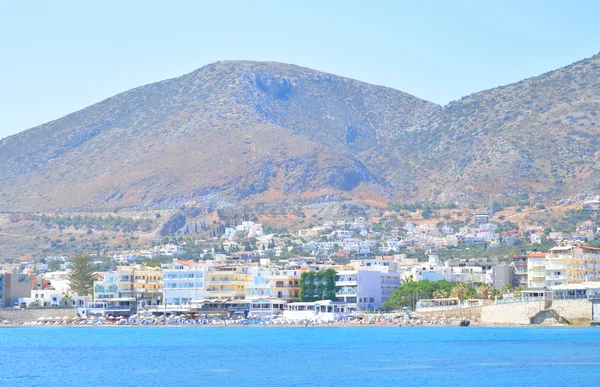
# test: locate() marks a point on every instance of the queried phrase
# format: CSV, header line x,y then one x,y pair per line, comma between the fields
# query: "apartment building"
x,y
183,281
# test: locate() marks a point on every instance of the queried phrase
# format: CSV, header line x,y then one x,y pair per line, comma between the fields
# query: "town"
x,y
345,267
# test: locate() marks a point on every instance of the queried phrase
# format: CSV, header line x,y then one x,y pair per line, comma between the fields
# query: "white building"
x,y
183,281
170,249
318,311
366,288
536,270
431,270
42,297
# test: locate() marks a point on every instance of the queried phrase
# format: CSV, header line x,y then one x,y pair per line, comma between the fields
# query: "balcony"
x,y
345,292
180,278
556,277
228,282
167,288
345,283
537,274
537,284
102,289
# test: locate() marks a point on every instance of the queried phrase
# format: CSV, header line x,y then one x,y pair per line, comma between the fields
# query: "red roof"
x,y
536,255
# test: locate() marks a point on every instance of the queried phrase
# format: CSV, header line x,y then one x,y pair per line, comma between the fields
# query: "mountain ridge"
x,y
245,132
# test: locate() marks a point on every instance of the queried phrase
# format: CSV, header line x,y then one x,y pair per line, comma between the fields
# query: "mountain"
x,y
240,132
536,137
230,132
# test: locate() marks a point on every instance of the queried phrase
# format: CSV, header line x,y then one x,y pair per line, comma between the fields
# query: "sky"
x,y
57,57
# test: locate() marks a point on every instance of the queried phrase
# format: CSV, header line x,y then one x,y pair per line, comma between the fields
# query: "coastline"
x,y
310,325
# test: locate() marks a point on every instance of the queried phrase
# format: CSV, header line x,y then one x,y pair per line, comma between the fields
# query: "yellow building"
x,y
227,282
572,265
285,284
147,285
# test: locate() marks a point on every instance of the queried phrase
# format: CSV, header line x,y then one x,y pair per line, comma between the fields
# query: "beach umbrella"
x,y
57,318
41,318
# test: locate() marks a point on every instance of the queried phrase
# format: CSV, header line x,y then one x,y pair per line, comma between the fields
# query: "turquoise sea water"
x,y
334,356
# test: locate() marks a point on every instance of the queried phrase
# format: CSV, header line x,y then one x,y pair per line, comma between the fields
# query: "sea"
x,y
299,356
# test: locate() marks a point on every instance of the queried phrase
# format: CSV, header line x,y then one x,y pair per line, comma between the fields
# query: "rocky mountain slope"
x,y
539,136
262,132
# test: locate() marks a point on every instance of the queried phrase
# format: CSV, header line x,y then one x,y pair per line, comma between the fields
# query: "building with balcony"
x,y
147,286
563,265
285,284
183,281
536,270
105,287
227,282
572,265
125,276
259,286
364,289
520,275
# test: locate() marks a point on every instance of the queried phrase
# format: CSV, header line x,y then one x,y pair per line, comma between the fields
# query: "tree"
x,y
408,279
53,265
411,291
35,304
80,275
517,291
460,291
496,293
66,299
484,289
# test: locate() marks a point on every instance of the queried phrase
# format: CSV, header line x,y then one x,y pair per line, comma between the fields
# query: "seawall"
x,y
574,311
511,313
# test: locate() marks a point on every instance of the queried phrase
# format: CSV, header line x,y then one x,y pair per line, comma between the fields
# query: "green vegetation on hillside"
x,y
115,223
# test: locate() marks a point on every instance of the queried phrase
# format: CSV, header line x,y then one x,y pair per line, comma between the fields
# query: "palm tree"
x,y
507,288
496,293
440,294
517,291
460,291
66,299
484,289
35,304
408,279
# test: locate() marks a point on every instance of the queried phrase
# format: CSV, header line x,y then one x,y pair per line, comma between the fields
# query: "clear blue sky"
x,y
60,56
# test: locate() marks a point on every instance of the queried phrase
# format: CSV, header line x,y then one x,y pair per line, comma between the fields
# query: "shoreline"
x,y
324,325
